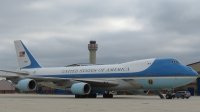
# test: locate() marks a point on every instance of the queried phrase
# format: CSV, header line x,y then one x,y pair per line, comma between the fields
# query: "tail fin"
x,y
25,59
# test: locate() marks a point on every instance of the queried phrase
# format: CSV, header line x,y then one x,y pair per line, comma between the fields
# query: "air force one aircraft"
x,y
136,76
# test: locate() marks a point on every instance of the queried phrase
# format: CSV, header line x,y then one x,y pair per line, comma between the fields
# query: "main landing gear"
x,y
92,95
107,95
86,96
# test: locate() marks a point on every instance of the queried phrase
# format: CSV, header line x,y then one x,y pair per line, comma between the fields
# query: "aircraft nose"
x,y
193,72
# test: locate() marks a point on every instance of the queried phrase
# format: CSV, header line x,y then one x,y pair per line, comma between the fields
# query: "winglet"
x,y
25,58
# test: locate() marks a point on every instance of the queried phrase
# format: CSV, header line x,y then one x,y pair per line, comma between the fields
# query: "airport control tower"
x,y
92,47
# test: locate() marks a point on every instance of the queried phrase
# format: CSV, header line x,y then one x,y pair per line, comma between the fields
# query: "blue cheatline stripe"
x,y
106,75
160,68
118,75
34,63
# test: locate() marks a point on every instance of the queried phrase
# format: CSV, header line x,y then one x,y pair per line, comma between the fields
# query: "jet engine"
x,y
140,92
26,85
80,88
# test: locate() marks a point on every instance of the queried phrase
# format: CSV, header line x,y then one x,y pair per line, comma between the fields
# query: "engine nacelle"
x,y
140,92
26,85
80,88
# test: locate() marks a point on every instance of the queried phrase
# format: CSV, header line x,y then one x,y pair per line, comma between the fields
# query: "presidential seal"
x,y
150,81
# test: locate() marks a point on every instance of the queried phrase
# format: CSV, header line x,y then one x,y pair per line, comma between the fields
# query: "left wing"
x,y
92,82
17,72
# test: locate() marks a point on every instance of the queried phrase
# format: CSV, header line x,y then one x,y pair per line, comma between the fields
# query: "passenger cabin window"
x,y
174,62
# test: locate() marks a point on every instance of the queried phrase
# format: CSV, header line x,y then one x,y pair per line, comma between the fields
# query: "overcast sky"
x,y
57,32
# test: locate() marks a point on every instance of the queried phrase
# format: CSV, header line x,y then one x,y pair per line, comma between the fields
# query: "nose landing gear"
x,y
169,94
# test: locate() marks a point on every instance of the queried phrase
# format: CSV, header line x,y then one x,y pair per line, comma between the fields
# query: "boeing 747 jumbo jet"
x,y
136,76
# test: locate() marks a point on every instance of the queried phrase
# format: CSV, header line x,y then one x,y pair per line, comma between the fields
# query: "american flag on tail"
x,y
22,54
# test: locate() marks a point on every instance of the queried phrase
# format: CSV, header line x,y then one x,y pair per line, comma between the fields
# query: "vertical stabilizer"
x,y
25,59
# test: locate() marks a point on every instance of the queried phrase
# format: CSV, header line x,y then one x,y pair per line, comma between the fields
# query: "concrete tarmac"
x,y
120,103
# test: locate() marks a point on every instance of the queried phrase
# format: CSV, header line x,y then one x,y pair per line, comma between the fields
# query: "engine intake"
x,y
80,88
27,85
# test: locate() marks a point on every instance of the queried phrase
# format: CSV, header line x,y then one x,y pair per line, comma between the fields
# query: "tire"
x,y
104,96
168,96
77,96
95,96
187,97
110,95
173,97
107,95
182,97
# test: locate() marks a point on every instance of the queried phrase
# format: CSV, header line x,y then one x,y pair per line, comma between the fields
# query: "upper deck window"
x,y
174,61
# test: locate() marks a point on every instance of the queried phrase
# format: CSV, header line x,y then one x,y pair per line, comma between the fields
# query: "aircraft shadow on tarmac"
x,y
33,96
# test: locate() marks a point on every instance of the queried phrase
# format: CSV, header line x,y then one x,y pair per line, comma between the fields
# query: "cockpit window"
x,y
174,61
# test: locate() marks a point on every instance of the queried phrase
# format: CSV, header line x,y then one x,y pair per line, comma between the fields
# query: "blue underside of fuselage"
x,y
157,83
164,83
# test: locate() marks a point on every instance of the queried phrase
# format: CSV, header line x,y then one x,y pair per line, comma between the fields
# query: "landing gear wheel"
x,y
168,96
86,96
94,96
107,95
104,96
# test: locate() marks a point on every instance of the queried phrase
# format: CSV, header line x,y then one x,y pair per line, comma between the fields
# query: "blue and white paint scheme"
x,y
135,76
